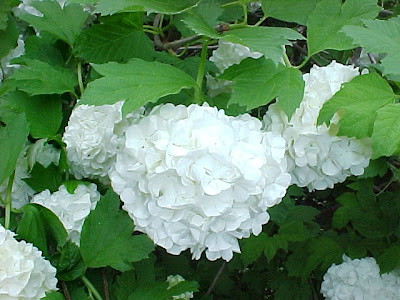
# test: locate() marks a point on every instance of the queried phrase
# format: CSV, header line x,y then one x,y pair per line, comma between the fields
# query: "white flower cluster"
x,y
227,54
93,136
6,68
317,158
253,6
174,280
192,177
39,152
24,273
360,279
71,209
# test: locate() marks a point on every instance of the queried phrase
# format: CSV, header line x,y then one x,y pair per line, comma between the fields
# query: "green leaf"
x,y
258,82
199,25
41,48
44,113
252,248
38,78
389,259
386,133
5,8
340,218
42,178
203,17
266,40
357,104
107,239
8,37
113,40
106,7
124,285
273,245
65,23
55,230
294,232
325,252
137,82
380,36
70,265
54,296
289,10
326,21
14,130
376,167
31,228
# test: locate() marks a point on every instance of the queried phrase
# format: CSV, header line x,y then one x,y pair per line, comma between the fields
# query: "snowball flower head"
x,y
71,209
192,177
174,280
317,158
359,279
93,136
229,54
24,273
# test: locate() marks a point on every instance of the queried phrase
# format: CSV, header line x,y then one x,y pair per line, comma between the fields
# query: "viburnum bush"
x,y
205,149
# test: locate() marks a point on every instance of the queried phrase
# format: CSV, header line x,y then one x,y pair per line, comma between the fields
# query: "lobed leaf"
x,y
38,78
266,40
137,82
326,21
258,82
357,103
14,130
113,40
380,36
65,23
106,7
296,11
107,239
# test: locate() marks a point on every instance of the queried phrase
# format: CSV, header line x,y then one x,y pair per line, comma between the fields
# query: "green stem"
x,y
245,13
151,31
8,201
230,4
286,60
198,97
91,288
303,63
81,88
260,21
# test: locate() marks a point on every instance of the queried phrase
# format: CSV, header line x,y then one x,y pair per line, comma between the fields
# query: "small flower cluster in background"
x,y
317,157
360,279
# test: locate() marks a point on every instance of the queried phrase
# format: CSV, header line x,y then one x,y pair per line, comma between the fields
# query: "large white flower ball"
x,y
71,209
93,136
359,279
317,158
24,273
192,177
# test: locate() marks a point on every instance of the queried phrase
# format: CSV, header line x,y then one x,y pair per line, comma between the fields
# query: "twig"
x,y
65,291
105,285
371,58
213,283
178,43
157,39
